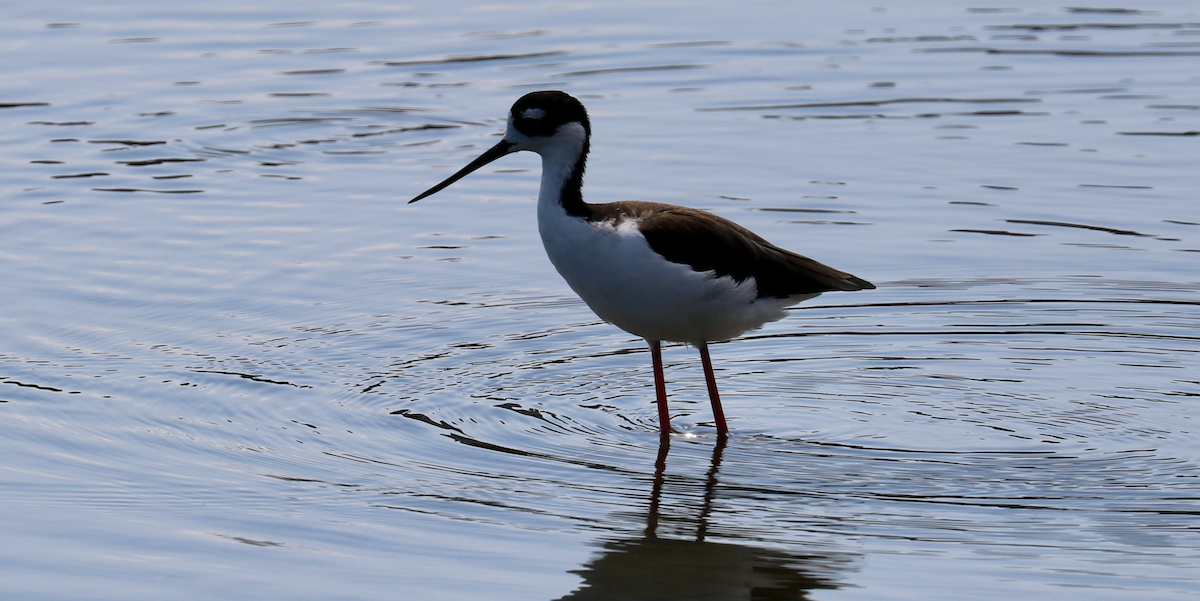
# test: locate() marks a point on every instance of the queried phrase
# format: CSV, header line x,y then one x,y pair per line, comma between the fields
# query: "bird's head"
x,y
542,122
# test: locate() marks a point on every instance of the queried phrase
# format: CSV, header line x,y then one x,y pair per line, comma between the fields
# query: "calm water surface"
x,y
234,364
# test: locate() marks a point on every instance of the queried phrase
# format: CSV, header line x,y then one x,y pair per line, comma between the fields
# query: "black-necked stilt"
x,y
655,270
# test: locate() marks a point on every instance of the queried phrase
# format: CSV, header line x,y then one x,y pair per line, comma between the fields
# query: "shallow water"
x,y
235,364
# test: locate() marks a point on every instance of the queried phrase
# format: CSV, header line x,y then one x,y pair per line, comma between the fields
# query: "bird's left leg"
x,y
711,380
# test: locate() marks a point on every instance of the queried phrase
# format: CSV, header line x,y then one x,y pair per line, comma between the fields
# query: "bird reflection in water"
x,y
646,567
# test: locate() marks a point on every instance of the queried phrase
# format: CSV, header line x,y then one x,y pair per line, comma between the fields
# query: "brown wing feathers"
x,y
707,242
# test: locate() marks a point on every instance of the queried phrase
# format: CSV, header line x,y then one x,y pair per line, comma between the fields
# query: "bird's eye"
x,y
527,125
530,121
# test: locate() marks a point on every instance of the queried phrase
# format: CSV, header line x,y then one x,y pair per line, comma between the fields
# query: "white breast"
x,y
614,270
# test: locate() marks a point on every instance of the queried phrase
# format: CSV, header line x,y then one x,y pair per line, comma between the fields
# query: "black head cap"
x,y
542,113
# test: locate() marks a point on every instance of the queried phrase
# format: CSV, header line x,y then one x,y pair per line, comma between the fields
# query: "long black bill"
x,y
492,154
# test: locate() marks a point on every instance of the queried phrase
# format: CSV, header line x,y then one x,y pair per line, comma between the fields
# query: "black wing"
x,y
707,242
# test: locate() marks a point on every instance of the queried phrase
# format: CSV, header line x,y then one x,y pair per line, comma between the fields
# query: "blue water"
x,y
235,364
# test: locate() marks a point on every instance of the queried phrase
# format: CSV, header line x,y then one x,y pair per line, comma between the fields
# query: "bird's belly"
x,y
614,270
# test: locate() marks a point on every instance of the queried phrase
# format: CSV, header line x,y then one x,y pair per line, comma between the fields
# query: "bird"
x,y
665,273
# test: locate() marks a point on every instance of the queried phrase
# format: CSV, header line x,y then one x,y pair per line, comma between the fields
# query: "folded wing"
x,y
707,242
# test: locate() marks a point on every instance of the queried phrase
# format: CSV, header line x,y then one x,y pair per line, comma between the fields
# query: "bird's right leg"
x,y
660,388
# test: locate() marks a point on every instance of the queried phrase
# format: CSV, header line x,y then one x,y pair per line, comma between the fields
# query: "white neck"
x,y
560,153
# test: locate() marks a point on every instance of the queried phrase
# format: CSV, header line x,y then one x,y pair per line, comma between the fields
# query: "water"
x,y
235,364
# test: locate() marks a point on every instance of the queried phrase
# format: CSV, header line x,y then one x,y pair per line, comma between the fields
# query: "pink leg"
x,y
711,380
660,388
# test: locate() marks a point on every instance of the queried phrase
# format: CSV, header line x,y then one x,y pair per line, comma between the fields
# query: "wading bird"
x,y
659,271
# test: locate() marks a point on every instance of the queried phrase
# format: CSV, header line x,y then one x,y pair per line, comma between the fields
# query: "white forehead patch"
x,y
533,113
